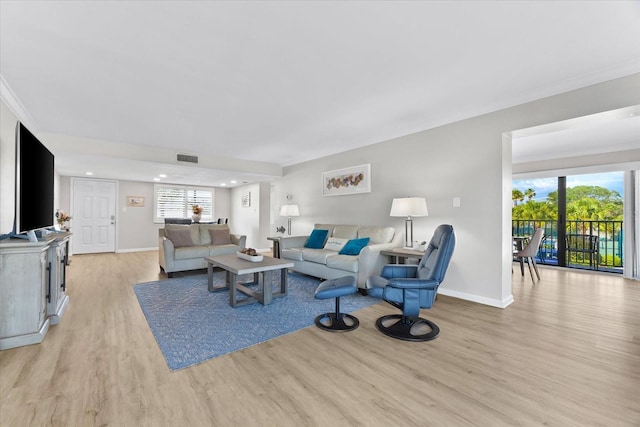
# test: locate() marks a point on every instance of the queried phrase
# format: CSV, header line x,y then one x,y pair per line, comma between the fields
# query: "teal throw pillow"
x,y
354,246
316,239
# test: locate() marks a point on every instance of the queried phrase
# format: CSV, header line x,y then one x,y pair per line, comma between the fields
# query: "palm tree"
x,y
516,196
530,194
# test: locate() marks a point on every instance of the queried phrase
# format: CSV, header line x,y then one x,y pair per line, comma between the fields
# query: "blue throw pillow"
x,y
354,246
316,239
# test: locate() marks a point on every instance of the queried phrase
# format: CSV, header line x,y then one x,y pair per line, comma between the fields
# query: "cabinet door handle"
x,y
49,284
63,265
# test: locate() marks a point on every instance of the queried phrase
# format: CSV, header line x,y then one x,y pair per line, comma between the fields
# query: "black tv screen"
x,y
34,182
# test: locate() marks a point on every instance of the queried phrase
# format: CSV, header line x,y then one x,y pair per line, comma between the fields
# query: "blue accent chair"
x,y
412,287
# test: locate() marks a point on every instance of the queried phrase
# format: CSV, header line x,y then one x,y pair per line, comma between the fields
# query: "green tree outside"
x,y
517,196
584,203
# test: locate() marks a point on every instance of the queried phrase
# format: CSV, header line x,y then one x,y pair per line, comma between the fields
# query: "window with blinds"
x,y
175,201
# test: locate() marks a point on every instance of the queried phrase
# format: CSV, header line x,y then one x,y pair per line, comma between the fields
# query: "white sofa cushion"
x,y
318,256
377,235
343,262
292,253
345,231
190,252
325,227
215,250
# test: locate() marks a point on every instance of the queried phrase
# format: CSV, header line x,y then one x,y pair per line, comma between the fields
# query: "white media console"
x,y
32,288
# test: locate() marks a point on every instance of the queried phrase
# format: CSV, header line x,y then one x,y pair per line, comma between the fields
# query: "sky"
x,y
543,186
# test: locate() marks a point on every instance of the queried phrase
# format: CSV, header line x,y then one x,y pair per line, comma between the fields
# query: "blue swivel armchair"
x,y
412,287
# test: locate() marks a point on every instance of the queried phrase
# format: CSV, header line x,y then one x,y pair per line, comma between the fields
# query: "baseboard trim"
x,y
122,251
476,298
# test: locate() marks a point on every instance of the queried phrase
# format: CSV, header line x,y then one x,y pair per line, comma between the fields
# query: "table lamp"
x,y
289,210
409,207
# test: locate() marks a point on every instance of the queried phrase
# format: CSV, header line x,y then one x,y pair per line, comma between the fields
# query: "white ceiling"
x,y
285,82
611,131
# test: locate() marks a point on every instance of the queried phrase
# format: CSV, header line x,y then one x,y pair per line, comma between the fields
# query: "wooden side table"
x,y
399,255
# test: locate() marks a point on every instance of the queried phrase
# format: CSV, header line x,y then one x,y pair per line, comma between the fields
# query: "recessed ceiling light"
x,y
156,179
223,184
88,173
234,181
162,175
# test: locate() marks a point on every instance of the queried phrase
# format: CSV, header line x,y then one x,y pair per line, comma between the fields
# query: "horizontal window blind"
x,y
175,201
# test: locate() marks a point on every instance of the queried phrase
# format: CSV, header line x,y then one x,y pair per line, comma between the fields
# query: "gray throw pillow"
x,y
220,237
180,238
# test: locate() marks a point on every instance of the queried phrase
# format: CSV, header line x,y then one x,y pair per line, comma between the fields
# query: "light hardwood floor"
x,y
566,353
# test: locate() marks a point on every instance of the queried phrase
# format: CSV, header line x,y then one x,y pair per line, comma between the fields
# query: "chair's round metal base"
x,y
337,323
402,328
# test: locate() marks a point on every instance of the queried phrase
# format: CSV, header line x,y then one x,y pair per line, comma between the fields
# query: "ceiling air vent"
x,y
187,158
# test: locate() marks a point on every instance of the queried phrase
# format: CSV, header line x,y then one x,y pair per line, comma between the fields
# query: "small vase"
x,y
196,217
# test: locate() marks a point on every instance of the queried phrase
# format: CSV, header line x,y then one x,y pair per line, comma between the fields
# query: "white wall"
x,y
135,227
222,203
470,159
8,122
250,220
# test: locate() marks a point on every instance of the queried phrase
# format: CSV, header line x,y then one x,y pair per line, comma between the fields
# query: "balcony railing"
x,y
609,242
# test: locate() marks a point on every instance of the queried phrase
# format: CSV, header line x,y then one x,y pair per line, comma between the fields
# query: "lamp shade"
x,y
289,210
409,206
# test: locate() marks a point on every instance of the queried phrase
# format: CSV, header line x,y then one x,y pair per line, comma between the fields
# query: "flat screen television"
x,y
34,183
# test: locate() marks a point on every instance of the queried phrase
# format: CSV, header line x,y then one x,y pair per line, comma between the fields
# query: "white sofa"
x,y
327,264
184,247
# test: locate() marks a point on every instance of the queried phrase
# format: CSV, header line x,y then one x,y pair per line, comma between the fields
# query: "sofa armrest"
x,y
287,242
166,253
372,252
371,262
238,239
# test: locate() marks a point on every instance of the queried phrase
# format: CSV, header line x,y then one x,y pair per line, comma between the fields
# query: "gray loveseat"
x,y
327,263
184,247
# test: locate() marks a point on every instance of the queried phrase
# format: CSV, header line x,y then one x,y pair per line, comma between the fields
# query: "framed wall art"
x,y
351,180
135,201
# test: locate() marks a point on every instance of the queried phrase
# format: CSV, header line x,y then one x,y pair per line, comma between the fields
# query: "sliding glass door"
x,y
582,216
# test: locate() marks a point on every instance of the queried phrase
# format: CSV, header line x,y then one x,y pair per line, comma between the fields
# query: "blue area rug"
x,y
192,325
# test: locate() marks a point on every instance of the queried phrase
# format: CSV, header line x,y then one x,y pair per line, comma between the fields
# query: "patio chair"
x,y
584,244
530,251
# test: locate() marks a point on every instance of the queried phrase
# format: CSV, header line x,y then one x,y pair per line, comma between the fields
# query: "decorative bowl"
x,y
256,258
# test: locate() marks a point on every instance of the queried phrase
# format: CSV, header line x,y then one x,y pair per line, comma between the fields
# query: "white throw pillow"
x,y
335,244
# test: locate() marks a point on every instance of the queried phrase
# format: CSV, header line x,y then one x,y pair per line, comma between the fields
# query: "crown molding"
x,y
11,100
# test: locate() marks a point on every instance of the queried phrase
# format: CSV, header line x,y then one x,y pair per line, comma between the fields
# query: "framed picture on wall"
x,y
351,180
246,199
135,201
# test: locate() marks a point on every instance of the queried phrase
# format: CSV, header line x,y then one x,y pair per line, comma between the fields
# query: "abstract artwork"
x,y
351,180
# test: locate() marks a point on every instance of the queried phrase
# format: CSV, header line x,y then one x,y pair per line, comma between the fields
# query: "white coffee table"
x,y
235,267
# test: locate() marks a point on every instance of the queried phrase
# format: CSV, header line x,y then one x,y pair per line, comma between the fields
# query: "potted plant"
x,y
197,213
62,217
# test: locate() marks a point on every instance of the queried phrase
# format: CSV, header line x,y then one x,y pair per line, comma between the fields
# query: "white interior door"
x,y
94,216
